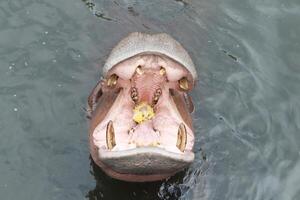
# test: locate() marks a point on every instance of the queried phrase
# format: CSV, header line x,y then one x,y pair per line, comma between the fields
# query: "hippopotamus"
x,y
140,126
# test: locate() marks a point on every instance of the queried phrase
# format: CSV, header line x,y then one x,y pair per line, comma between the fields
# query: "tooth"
x,y
139,70
130,131
183,83
110,136
158,91
134,94
181,137
112,81
162,71
155,100
156,96
154,144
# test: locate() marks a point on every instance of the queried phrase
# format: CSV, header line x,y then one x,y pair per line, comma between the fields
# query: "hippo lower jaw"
x,y
144,163
141,128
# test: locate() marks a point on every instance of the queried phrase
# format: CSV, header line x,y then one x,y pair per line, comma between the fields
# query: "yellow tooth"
x,y
181,137
112,80
139,70
162,71
134,94
110,136
156,96
183,83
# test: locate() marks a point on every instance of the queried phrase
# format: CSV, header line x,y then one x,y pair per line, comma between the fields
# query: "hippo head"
x,y
140,112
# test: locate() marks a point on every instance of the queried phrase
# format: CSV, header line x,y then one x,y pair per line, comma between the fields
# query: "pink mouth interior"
x,y
161,131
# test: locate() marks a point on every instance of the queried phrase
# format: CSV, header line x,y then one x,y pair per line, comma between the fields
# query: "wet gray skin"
x,y
247,112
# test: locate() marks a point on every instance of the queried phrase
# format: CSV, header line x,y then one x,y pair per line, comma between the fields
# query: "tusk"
x,y
112,81
183,83
110,135
139,70
181,137
162,71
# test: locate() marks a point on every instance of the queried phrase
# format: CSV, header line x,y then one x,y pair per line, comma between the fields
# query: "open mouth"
x,y
141,127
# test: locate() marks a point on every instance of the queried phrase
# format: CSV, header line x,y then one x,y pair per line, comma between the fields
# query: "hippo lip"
x,y
146,160
141,128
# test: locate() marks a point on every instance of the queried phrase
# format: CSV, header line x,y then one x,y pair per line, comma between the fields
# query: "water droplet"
x,y
10,67
15,95
46,32
43,43
15,109
54,60
25,63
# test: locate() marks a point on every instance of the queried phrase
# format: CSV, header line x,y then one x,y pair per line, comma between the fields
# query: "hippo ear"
x,y
93,98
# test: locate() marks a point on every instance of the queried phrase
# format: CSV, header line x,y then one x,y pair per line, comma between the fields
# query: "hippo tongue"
x,y
144,135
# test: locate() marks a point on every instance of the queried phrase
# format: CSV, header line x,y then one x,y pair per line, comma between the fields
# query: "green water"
x,y
247,117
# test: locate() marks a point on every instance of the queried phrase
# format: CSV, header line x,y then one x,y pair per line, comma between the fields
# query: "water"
x,y
247,117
